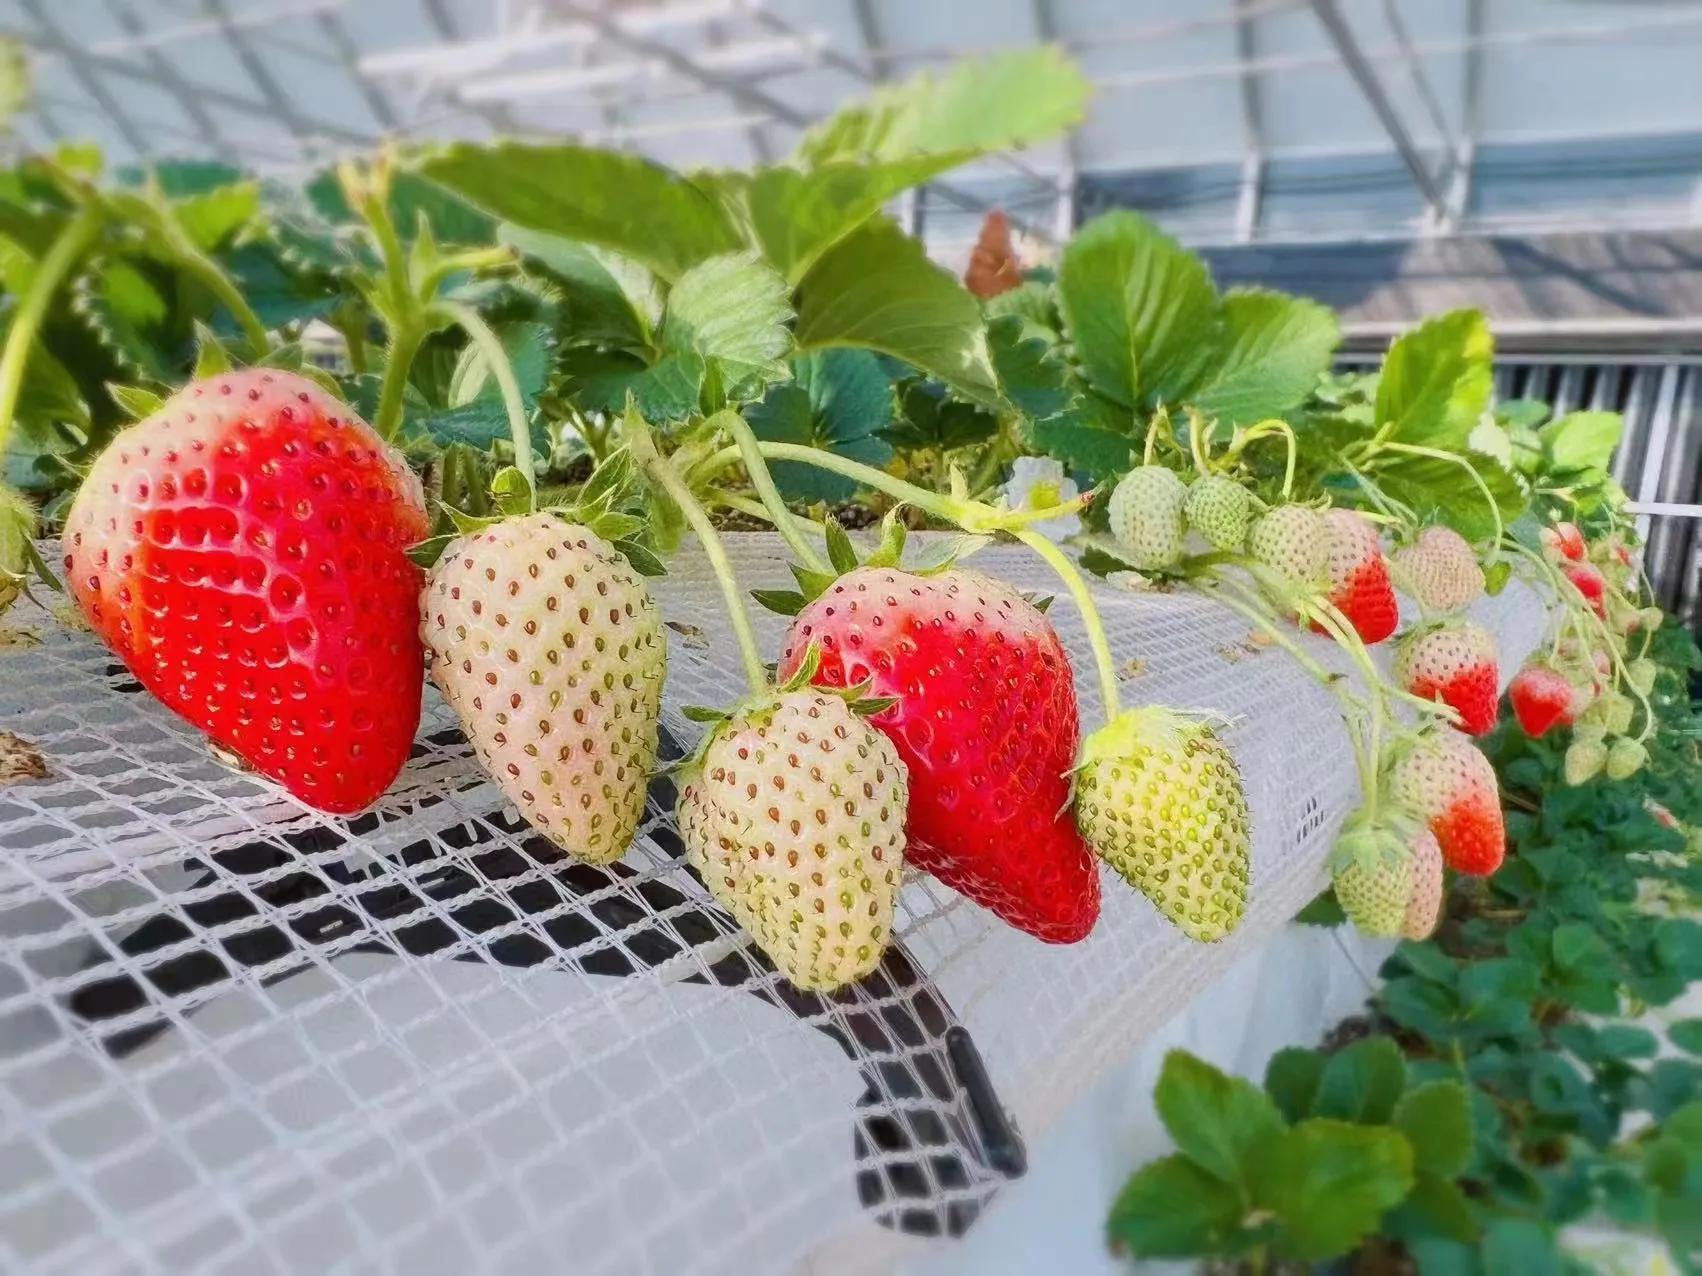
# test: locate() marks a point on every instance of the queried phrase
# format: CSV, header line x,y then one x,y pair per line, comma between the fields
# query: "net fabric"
x,y
239,1035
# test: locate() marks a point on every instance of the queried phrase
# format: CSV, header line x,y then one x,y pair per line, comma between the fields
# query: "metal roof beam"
x,y
1376,94
1249,203
735,88
206,128
84,70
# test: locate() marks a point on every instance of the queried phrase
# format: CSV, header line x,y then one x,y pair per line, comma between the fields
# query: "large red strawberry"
x,y
1452,661
1359,576
1542,699
1564,541
985,721
242,550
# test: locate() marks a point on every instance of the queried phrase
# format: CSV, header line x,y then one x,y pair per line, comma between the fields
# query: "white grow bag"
x,y
237,1035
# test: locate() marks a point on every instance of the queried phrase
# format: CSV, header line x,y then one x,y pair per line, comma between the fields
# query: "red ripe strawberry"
x,y
985,722
1565,541
1542,699
242,550
1359,576
1451,786
1452,661
1590,583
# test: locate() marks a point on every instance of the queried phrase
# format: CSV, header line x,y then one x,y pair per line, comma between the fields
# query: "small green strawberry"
x,y
1584,761
1294,542
1618,709
1590,731
1625,757
1146,516
793,814
1653,618
1642,673
1373,876
1160,800
1219,509
545,641
17,530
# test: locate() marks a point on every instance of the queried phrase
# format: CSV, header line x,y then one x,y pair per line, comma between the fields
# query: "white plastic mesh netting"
x,y
236,1035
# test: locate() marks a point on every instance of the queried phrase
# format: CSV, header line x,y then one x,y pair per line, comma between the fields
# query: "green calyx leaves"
x,y
844,558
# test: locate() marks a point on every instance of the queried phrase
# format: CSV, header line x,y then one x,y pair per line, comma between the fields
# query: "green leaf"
x,y
1003,102
134,401
1216,1120
1275,349
1436,1119
1173,1209
643,559
1329,1183
211,358
796,216
839,401
1522,413
601,380
1520,1247
1032,371
928,418
1576,945
1435,382
731,312
877,290
213,217
1627,1041
1438,489
639,209
608,299
1324,910
1441,1203
1082,446
1686,1034
1142,311
1361,1082
528,348
1582,440
1291,1078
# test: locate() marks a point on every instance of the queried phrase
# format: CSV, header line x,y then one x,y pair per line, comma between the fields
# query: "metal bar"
x,y
348,53
84,69
1663,509
259,72
1046,26
1251,198
1371,85
168,74
110,65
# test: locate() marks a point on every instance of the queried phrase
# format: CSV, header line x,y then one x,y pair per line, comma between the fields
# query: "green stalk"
x,y
480,334
658,468
750,450
1454,458
1059,562
1230,594
1263,430
938,504
404,344
78,234
216,281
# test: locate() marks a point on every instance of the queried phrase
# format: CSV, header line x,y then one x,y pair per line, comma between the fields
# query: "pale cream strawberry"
x,y
1424,906
793,814
545,641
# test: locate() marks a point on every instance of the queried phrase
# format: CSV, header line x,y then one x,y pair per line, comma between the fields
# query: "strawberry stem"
x,y
653,463
481,335
1059,562
750,450
1454,458
78,234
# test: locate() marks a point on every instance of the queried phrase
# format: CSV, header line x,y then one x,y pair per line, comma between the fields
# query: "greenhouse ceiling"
x,y
1232,120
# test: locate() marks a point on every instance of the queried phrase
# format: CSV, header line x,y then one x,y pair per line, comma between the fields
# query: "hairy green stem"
x,y
1263,430
481,335
1454,458
404,344
658,468
78,234
750,451
1059,562
217,282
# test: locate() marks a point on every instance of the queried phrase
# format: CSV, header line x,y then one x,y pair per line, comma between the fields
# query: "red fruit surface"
x,y
1590,583
986,722
1359,577
1453,662
241,550
1565,540
1447,782
1542,699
